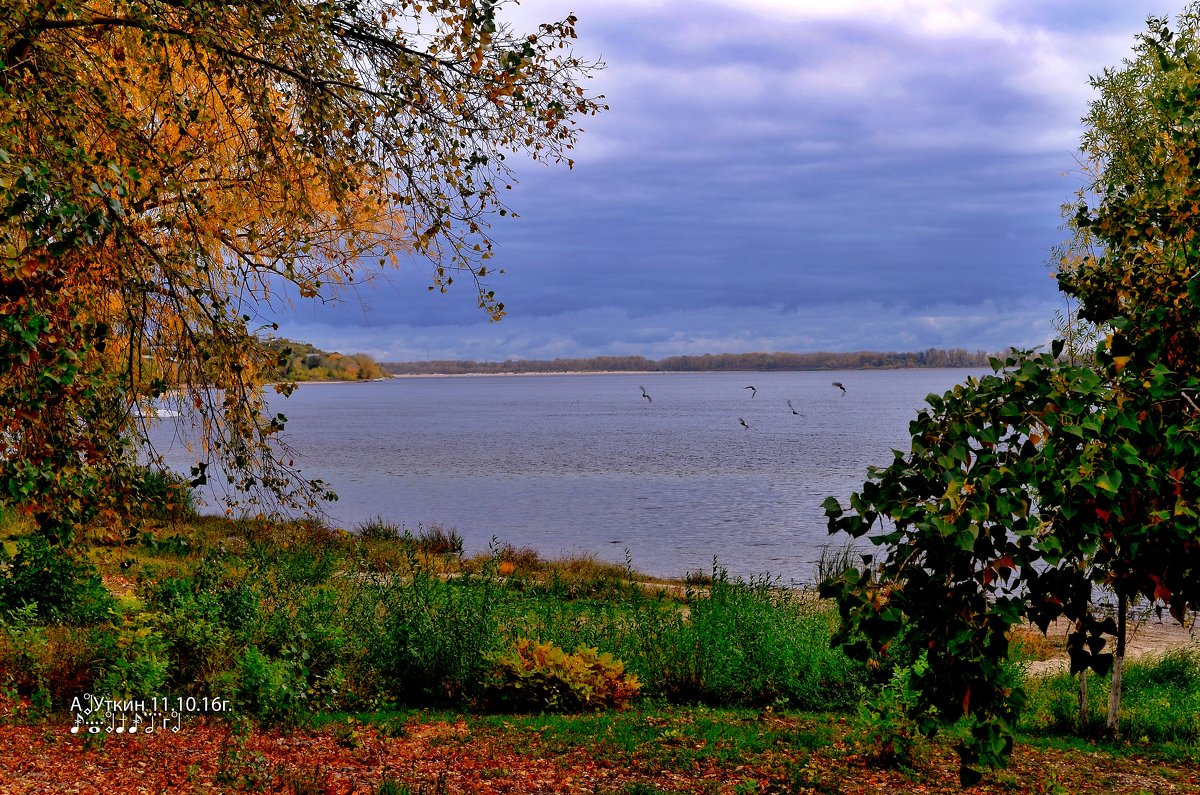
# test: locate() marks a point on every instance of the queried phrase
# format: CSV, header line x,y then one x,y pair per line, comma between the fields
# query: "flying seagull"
x,y
648,398
743,422
753,391
793,408
838,384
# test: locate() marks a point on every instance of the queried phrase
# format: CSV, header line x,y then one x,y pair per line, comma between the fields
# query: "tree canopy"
x,y
168,167
1027,493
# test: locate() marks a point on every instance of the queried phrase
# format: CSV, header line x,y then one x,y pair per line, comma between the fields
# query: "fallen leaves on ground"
x,y
466,756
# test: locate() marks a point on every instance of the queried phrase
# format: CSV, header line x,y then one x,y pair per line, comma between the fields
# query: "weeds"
x,y
432,540
435,540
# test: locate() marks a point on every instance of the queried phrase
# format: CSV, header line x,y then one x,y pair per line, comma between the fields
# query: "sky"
x,y
781,175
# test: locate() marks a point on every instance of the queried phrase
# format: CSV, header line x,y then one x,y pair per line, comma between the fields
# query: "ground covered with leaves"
x,y
646,751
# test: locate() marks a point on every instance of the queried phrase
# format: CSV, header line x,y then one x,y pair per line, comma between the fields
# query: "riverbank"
x,y
317,660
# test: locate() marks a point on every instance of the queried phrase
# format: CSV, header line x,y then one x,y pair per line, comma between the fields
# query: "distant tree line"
x,y
300,361
856,360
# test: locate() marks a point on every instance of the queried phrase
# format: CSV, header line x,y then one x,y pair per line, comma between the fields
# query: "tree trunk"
x,y
1083,700
1083,693
1114,692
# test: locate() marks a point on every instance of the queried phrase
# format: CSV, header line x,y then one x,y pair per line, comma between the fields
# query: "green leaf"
x,y
1109,481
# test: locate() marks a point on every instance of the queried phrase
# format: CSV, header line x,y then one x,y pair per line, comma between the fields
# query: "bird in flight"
x,y
743,422
793,408
648,398
838,384
753,391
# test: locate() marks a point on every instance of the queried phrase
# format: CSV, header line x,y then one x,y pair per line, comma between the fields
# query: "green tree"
x,y
1025,492
165,167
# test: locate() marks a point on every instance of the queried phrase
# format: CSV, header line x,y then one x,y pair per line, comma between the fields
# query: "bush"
x,y
63,586
524,558
274,691
25,650
432,540
543,676
197,640
299,565
890,735
139,663
587,577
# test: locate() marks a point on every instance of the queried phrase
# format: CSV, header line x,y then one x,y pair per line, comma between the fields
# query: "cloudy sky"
x,y
782,175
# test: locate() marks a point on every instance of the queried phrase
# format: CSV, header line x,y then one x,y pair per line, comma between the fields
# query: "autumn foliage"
x,y
543,676
170,170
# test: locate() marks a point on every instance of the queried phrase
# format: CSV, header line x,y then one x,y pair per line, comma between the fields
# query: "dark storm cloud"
x,y
785,175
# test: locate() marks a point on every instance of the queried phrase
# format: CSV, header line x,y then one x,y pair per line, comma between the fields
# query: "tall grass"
x,y
748,643
834,561
434,539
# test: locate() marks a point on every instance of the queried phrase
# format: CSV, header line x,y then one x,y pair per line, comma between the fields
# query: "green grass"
x,y
1160,701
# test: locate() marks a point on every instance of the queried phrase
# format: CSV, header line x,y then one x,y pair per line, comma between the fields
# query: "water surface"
x,y
584,463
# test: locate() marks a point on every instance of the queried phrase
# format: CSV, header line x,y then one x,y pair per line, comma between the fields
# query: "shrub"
x,y
586,576
524,558
49,664
271,690
891,737
197,641
63,586
543,676
25,650
140,662
300,565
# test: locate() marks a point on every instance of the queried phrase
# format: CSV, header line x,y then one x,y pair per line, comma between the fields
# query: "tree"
x,y
1122,128
1025,492
167,167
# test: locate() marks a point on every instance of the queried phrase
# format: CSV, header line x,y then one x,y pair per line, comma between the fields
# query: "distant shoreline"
x,y
528,373
930,358
645,372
